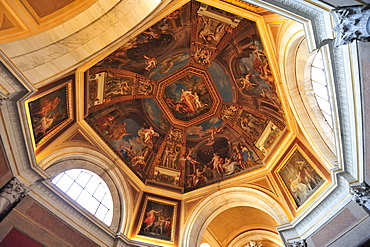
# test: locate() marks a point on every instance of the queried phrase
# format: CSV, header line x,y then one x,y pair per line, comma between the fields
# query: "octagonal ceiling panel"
x,y
190,101
188,96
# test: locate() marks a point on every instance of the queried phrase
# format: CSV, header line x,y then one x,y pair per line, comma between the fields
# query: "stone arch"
x,y
240,240
222,200
297,57
83,158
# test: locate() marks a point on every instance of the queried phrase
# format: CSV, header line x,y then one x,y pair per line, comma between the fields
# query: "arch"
x,y
240,240
296,57
84,158
222,200
89,190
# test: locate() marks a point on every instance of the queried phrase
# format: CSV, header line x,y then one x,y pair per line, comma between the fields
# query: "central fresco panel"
x,y
188,97
190,101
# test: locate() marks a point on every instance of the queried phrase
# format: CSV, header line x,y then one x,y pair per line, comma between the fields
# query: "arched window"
x,y
320,87
310,91
88,190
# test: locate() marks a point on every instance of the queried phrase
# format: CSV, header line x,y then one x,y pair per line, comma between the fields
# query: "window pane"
x,y
317,62
64,182
108,218
320,90
56,179
319,85
101,212
83,179
328,119
92,185
87,202
100,192
74,191
107,201
88,190
73,173
324,105
318,75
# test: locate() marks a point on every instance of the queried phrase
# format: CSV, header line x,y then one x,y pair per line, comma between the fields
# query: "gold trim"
x,y
173,221
299,208
244,5
59,126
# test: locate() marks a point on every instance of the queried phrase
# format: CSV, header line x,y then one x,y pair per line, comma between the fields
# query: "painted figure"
x,y
47,106
151,63
150,218
299,190
217,163
118,131
188,99
245,81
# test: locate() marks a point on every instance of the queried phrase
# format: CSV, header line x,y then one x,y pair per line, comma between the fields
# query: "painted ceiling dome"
x,y
190,101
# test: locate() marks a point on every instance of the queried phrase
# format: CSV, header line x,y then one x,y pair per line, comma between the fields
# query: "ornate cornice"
x,y
244,5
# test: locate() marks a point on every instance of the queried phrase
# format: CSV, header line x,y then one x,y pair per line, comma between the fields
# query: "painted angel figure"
x,y
151,63
245,81
147,136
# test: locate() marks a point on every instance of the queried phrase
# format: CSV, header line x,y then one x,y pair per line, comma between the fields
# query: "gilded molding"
x,y
244,5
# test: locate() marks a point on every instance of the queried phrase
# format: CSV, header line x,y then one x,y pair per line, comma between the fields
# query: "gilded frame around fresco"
x,y
300,177
49,112
163,226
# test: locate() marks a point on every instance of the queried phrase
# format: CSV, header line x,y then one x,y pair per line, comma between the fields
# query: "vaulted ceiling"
x,y
189,101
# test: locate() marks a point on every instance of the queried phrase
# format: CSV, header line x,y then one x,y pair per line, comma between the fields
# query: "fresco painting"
x,y
134,143
116,86
268,137
142,53
300,177
157,219
49,111
251,124
170,156
166,176
211,161
188,97
156,114
207,128
168,66
188,110
221,81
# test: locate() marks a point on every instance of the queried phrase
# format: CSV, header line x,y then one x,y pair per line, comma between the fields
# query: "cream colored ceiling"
x,y
232,222
25,18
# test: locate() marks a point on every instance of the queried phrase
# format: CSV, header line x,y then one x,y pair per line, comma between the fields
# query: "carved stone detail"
x,y
253,243
11,194
352,23
300,243
361,195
